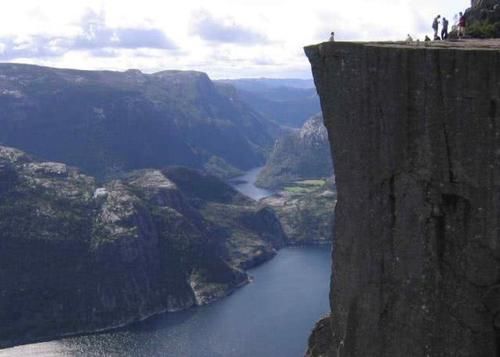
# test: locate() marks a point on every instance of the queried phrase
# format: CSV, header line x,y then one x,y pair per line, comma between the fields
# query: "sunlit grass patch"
x,y
311,182
305,186
297,189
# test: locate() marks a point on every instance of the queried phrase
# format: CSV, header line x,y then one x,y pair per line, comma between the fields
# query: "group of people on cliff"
x,y
459,27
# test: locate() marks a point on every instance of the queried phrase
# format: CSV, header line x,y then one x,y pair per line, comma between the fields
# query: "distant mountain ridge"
x,y
255,84
107,122
288,102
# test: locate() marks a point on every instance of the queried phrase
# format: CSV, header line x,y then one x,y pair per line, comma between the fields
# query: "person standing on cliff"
x,y
332,37
461,26
435,25
444,31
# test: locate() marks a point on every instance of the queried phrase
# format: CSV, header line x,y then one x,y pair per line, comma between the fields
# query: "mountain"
x,y
287,102
305,211
108,123
260,84
300,155
77,257
483,19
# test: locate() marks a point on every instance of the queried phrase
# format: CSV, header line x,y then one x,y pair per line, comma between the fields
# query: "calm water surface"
x,y
272,316
246,185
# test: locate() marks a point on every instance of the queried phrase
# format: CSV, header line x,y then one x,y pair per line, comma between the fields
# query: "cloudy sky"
x,y
225,38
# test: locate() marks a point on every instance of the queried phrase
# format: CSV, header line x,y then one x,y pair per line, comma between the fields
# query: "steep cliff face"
x,y
77,258
415,136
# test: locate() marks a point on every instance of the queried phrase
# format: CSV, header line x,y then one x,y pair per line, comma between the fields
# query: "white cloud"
x,y
224,30
226,38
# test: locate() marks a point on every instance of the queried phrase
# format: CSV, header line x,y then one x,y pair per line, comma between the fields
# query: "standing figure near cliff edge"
x,y
435,25
461,26
444,31
332,37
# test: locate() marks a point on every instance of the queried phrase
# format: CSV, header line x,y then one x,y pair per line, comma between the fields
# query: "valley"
x,y
106,220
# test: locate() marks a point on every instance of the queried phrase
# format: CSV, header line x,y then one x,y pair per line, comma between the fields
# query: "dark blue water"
x,y
271,317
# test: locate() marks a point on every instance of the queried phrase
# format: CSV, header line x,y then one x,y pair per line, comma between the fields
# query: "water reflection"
x,y
246,185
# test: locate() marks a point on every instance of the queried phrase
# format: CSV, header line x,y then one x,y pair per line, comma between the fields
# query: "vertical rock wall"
x,y
416,145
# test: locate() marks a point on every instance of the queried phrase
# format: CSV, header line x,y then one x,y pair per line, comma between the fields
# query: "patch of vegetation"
x,y
484,29
312,182
296,189
305,186
220,168
306,211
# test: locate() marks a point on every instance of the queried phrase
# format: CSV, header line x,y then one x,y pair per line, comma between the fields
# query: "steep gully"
x,y
415,141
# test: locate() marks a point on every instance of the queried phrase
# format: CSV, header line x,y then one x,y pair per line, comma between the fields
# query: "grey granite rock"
x,y
416,140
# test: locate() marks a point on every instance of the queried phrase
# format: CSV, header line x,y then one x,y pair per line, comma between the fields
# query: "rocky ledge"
x,y
415,133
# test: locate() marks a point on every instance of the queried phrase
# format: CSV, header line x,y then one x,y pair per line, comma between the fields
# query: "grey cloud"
x,y
96,37
212,29
35,46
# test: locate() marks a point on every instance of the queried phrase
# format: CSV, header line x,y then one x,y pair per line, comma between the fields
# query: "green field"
x,y
306,186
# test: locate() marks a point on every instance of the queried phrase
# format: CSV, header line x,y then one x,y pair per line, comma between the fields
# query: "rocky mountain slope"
x,y
107,122
305,211
417,255
287,102
300,155
483,19
76,257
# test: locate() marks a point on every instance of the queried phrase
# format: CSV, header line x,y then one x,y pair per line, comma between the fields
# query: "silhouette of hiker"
x,y
332,37
444,31
461,26
435,25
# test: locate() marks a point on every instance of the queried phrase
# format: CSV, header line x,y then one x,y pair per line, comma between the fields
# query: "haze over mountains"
x,y
288,102
107,122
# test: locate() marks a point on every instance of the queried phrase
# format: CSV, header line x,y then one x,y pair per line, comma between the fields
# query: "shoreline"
x,y
124,324
130,322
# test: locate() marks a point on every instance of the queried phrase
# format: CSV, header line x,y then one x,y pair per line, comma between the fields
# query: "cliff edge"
x,y
416,145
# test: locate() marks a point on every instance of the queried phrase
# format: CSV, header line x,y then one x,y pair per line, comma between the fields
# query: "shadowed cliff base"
x,y
414,133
